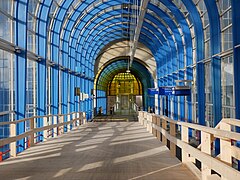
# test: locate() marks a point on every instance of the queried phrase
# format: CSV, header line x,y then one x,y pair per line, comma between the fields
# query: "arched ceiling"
x,y
107,73
78,32
122,48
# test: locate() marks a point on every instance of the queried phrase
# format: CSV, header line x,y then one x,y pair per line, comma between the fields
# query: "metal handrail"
x,y
35,117
6,113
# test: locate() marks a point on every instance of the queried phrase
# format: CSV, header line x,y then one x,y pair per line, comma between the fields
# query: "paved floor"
x,y
116,118
103,150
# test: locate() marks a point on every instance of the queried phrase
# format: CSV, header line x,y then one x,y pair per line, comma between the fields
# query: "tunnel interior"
x,y
121,89
63,56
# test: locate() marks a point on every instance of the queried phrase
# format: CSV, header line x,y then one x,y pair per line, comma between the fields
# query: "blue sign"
x,y
166,91
172,91
161,91
182,92
152,91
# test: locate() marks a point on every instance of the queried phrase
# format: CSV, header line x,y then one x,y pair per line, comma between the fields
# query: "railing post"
x,y
74,122
144,119
149,121
84,118
13,147
31,129
68,125
164,126
158,133
139,120
45,132
79,118
61,120
54,122
173,133
206,148
225,145
154,121
185,138
140,117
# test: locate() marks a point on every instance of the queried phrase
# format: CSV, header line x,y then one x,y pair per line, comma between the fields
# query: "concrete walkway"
x,y
104,151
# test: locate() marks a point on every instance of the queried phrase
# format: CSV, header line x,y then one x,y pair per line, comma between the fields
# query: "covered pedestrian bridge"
x,y
111,72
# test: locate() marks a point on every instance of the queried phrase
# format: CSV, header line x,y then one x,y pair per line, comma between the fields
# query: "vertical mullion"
x,y
21,68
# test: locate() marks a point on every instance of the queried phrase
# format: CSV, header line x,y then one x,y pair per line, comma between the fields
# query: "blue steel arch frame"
x,y
41,30
121,62
180,48
21,66
183,24
236,59
148,38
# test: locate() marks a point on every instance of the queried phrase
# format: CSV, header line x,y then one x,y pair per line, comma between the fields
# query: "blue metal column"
x,y
189,98
42,69
64,94
182,99
216,95
236,59
20,68
236,53
170,83
41,93
215,36
175,104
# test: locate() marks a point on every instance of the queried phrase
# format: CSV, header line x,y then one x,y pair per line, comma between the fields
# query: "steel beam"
x,y
133,45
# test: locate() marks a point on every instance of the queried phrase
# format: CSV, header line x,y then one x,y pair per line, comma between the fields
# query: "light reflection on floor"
x,y
117,150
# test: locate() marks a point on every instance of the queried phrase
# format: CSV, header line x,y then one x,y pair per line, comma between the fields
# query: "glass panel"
x,y
208,96
6,5
5,80
226,19
223,5
227,87
208,83
5,27
205,20
31,22
124,83
201,7
207,49
31,88
227,42
32,6
194,87
209,115
228,112
31,41
207,33
6,94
